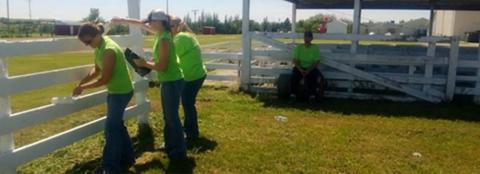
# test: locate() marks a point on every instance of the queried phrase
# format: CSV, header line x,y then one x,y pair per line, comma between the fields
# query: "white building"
x,y
337,27
455,23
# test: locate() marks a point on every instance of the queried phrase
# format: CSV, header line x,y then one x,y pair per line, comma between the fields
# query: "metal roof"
x,y
390,4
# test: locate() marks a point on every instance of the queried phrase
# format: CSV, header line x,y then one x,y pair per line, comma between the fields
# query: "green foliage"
x,y
25,28
93,16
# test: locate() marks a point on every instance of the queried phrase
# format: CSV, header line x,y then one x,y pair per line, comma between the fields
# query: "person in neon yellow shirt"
x,y
110,65
190,56
306,59
170,75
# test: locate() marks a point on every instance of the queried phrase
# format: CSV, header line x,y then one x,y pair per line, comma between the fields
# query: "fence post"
x,y
357,17
6,141
136,37
476,97
452,68
429,66
247,48
294,22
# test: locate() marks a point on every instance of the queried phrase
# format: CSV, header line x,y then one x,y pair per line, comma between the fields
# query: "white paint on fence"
x,y
452,68
24,48
137,45
24,154
18,84
6,140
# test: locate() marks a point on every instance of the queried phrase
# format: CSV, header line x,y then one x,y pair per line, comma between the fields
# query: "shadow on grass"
x,y
93,166
202,145
452,111
143,142
181,166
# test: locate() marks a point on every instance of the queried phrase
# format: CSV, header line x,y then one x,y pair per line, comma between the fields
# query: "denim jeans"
x,y
311,82
189,98
118,151
173,133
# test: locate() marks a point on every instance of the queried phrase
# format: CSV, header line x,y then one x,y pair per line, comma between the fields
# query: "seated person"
x,y
306,59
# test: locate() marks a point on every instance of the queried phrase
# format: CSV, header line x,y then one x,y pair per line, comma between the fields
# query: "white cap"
x,y
157,15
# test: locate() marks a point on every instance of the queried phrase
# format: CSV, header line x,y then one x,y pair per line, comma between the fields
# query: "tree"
x,y
93,16
287,25
265,24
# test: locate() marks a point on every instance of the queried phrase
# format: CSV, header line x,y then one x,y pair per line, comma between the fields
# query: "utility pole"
x,y
167,7
30,9
8,16
195,15
8,9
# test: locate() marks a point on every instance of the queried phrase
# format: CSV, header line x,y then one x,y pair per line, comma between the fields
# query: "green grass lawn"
x,y
240,134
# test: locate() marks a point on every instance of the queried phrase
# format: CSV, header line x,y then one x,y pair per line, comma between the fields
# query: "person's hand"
x,y
77,91
140,62
304,73
117,20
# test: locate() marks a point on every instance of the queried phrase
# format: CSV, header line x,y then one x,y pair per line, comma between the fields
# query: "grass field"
x,y
240,134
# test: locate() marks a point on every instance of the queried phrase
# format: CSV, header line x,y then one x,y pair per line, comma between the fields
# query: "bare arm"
x,y
94,72
134,22
107,71
296,63
315,65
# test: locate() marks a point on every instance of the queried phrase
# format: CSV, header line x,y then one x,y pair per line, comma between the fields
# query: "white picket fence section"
x,y
11,157
222,61
346,81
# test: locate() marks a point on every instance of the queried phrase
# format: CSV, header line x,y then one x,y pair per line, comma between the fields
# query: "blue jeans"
x,y
172,132
118,150
189,98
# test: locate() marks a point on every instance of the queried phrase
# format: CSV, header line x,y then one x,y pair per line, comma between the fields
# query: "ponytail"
x,y
180,25
100,28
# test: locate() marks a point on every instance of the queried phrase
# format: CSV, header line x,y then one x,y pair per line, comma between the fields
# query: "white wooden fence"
x,y
223,61
348,76
10,156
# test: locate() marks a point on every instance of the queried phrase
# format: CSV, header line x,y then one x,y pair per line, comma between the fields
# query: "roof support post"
x,y
357,13
247,48
294,21
432,18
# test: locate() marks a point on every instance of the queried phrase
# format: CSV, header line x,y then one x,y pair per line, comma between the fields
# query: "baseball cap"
x,y
156,15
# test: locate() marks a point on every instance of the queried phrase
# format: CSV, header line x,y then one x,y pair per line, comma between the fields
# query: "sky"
x,y
275,10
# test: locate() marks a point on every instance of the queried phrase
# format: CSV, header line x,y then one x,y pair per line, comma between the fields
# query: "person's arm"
x,y
108,65
315,65
94,72
296,59
134,22
185,27
296,63
162,63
